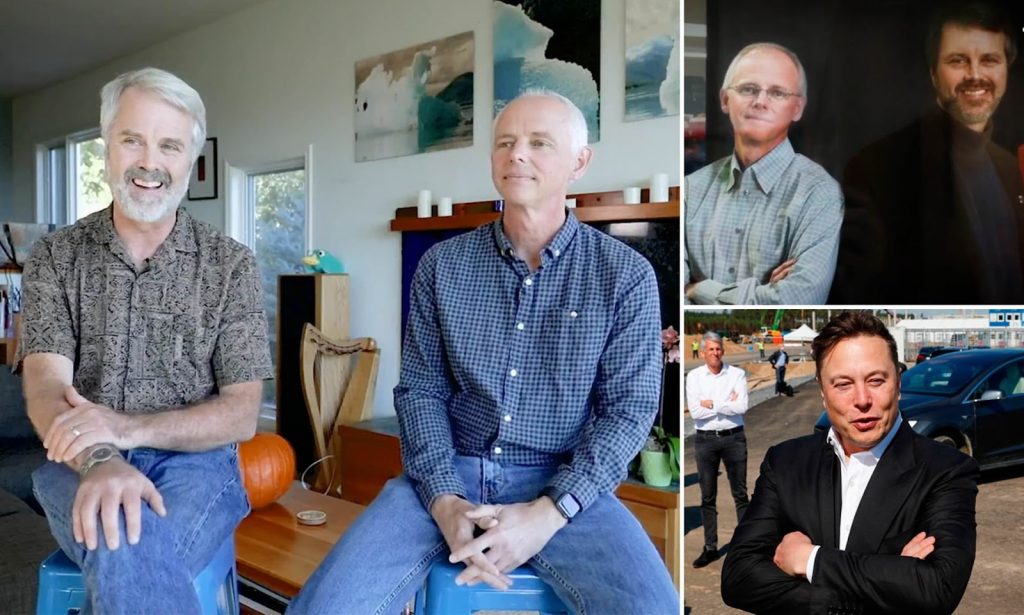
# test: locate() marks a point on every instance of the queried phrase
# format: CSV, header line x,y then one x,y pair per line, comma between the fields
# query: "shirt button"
x,y
738,231
513,372
508,418
528,282
745,192
558,253
732,270
497,450
520,326
573,314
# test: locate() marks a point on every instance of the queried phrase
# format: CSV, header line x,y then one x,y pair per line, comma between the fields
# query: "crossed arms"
x,y
904,577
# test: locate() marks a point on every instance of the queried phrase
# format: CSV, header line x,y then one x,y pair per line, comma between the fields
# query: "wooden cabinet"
x,y
371,456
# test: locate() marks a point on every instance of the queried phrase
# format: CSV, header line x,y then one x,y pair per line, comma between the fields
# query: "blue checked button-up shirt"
x,y
740,225
560,366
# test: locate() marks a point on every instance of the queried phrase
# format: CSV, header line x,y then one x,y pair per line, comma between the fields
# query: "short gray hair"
x,y
169,87
731,71
577,123
711,336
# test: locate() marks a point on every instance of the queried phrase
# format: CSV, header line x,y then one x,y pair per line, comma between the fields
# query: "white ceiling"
x,y
46,41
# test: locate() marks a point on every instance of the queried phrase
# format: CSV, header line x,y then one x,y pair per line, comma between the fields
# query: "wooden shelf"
x,y
591,207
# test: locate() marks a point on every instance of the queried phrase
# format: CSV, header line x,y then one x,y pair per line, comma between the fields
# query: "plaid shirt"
x,y
557,366
740,225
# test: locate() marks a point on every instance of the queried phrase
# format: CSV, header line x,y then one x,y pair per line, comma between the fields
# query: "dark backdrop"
x,y
867,74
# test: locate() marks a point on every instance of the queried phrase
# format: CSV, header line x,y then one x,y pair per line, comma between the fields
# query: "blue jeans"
x,y
205,501
601,562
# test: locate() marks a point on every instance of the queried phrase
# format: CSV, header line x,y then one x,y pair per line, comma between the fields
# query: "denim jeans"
x,y
205,501
780,376
709,449
602,562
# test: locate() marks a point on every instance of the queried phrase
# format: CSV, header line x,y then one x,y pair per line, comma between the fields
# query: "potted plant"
x,y
656,458
659,460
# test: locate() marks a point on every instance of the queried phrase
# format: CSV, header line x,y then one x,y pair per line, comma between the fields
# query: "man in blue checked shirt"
x,y
762,225
530,377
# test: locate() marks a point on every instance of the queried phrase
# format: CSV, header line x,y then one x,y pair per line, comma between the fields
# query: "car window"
x,y
943,375
1009,380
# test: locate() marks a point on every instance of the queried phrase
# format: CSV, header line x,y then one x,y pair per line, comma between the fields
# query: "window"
x,y
71,178
268,211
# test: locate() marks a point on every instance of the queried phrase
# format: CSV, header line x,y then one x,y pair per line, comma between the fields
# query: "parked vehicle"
x,y
927,352
971,400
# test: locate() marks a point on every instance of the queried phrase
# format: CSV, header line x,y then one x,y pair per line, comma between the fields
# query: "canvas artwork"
x,y
416,100
652,59
553,45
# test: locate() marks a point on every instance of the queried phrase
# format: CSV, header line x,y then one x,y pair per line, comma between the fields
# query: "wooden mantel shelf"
x,y
590,207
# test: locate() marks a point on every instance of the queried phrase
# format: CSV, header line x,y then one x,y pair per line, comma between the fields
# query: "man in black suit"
x,y
935,211
868,517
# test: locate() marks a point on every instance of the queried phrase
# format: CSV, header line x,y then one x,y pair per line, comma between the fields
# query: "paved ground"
x,y
995,587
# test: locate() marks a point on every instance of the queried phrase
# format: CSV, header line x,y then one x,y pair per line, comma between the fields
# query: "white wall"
x,y
278,77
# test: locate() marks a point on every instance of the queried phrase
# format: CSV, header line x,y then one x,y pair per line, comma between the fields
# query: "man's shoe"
x,y
706,557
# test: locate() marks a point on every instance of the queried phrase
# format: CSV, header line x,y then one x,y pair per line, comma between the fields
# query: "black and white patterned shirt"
x,y
560,366
166,336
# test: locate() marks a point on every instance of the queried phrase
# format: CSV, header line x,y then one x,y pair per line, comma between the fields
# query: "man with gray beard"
x,y
934,212
143,347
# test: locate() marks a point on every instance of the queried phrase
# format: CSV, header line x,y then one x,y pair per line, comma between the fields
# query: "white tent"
x,y
799,336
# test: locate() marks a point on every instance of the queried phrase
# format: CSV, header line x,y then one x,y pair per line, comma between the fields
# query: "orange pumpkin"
x,y
268,467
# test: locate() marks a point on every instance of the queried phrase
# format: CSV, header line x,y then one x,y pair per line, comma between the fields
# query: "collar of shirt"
x,y
181,239
766,171
872,456
559,243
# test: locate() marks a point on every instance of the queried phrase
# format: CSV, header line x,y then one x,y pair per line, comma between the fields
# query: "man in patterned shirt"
x,y
143,348
530,378
762,225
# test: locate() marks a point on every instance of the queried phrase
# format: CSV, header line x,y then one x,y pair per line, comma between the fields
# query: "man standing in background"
x,y
716,396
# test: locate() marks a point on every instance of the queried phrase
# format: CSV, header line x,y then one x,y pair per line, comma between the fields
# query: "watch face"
x,y
102,454
569,505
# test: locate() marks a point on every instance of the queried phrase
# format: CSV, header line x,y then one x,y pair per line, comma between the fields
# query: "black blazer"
x,y
919,485
906,236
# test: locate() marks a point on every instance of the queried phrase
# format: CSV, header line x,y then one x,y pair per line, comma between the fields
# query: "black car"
x,y
972,400
927,352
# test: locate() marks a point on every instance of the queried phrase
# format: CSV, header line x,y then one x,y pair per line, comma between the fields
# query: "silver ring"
x,y
75,431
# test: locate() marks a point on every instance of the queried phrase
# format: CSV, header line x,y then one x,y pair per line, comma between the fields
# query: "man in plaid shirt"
x,y
530,377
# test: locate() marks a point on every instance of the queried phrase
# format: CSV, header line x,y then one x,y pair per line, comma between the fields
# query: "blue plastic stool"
x,y
441,596
62,589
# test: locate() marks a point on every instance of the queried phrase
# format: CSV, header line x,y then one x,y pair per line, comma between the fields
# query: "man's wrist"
x,y
550,511
96,455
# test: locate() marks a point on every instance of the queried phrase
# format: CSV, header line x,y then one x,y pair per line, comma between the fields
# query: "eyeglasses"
x,y
752,91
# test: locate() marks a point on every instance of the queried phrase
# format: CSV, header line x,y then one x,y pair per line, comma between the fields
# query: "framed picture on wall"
x,y
203,183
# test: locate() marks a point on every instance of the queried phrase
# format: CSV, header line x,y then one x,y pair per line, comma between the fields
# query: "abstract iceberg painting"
x,y
652,58
418,99
552,45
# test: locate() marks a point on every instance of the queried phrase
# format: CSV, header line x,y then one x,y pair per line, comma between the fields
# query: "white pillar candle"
x,y
423,204
659,188
631,195
444,206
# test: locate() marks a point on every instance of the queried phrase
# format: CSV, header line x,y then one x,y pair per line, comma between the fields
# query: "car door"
x,y
999,423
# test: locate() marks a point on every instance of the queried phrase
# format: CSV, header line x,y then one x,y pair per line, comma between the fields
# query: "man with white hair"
x,y
762,225
143,348
530,377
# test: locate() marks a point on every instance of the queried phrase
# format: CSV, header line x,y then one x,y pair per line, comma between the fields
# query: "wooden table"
x,y
275,551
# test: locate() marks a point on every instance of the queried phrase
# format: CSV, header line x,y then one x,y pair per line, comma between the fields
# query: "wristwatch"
x,y
565,502
99,454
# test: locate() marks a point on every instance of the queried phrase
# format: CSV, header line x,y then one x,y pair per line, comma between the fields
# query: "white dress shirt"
x,y
724,413
855,475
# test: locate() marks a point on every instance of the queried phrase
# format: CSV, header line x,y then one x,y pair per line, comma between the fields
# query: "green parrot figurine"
x,y
322,261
